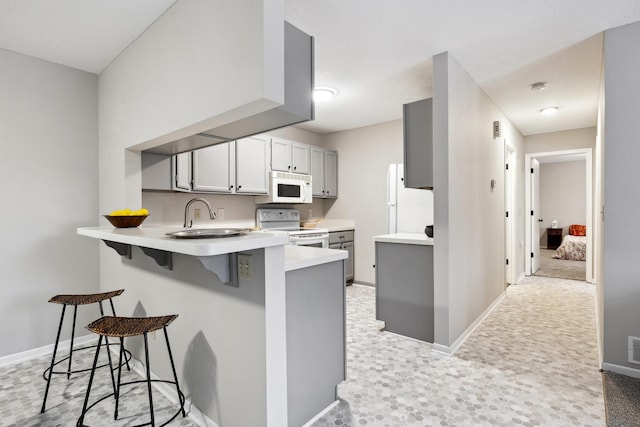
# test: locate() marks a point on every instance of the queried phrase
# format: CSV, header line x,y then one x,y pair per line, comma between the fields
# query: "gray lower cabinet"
x,y
404,289
344,240
316,360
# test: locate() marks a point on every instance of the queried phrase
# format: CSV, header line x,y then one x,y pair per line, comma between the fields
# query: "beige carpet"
x,y
560,268
621,399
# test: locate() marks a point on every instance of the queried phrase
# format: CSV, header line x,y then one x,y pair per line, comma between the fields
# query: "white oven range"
x,y
288,219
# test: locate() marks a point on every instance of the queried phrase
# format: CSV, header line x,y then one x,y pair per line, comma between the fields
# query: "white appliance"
x,y
288,220
285,187
409,210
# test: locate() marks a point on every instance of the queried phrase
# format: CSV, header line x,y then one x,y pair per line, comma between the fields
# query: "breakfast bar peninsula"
x,y
248,307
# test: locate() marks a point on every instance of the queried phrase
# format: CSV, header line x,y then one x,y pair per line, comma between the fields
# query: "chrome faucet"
x,y
212,215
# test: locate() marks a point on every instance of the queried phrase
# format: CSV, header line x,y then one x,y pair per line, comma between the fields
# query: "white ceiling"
x,y
377,53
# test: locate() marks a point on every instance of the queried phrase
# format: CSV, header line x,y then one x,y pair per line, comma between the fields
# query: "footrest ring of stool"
x,y
180,408
125,361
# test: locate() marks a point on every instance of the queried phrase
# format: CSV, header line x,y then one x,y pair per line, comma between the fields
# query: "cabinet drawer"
x,y
340,236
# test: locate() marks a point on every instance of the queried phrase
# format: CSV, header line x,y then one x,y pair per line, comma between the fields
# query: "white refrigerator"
x,y
409,210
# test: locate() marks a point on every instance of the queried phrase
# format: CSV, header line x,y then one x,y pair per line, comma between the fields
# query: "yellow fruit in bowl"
x,y
129,212
121,212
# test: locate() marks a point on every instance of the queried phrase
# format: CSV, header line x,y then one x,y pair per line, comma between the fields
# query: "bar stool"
x,y
75,301
121,327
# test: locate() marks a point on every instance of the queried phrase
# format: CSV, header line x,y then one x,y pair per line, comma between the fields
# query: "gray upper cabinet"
x,y
289,156
252,174
232,167
418,144
317,171
181,172
213,168
280,155
330,173
323,167
300,158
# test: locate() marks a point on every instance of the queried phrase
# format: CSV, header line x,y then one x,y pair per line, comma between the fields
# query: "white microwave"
x,y
285,187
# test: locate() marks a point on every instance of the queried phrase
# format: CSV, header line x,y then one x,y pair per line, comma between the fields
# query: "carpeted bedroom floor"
x,y
560,268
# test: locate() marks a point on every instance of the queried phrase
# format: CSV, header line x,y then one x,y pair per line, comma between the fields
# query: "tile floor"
x,y
532,362
22,389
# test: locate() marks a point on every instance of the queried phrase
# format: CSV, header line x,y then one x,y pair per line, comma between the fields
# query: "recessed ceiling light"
x,y
549,110
538,86
322,94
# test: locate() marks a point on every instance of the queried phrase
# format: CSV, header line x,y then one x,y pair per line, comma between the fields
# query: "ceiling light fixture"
x,y
322,94
549,110
538,86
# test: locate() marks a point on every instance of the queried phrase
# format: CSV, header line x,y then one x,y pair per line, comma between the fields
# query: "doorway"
x,y
537,226
510,174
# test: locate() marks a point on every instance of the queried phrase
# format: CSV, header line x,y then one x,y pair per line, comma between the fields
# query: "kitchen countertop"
x,y
405,238
337,224
154,237
297,257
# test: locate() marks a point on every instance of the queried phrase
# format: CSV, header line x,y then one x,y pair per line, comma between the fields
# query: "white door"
x,y
535,215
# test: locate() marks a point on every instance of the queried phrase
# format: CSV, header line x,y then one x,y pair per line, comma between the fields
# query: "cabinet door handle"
x,y
239,187
231,187
295,167
289,167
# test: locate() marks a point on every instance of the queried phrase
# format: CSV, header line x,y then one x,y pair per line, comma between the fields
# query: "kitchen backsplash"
x,y
168,208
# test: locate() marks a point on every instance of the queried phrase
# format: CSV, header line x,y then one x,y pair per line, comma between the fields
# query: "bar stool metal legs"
x,y
76,300
120,327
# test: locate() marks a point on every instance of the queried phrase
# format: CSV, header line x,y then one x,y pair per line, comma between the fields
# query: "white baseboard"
x,y
450,350
321,413
367,284
169,391
623,370
63,346
443,349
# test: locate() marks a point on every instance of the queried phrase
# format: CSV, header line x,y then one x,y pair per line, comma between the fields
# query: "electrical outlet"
x,y
196,213
220,213
245,266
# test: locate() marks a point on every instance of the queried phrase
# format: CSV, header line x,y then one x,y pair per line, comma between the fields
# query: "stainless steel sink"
x,y
201,233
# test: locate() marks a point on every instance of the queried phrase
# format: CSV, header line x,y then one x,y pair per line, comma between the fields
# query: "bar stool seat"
x,y
83,299
121,327
75,300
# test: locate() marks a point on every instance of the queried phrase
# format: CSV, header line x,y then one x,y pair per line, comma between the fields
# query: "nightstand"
x,y
554,238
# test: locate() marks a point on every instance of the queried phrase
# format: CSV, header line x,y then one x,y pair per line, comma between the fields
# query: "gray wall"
x,y
562,195
364,155
469,272
48,131
621,285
